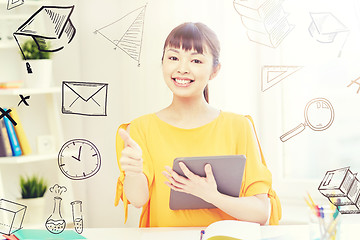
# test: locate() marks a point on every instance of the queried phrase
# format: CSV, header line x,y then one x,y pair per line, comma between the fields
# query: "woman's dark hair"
x,y
190,36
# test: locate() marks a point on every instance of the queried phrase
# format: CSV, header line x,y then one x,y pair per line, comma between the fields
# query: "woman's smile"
x,y
182,82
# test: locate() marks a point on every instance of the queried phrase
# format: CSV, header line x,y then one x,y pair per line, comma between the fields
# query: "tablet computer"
x,y
228,172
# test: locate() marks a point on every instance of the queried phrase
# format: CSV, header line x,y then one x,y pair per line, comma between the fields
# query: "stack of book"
x,y
13,141
265,20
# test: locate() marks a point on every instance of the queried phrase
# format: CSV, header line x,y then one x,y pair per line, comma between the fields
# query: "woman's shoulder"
x,y
237,121
231,116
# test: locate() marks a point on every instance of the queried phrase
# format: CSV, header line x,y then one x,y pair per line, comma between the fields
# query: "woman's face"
x,y
187,73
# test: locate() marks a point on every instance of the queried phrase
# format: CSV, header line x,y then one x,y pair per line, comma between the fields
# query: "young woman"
x,y
189,126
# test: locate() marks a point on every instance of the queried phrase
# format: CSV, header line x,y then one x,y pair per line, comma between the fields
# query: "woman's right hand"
x,y
131,156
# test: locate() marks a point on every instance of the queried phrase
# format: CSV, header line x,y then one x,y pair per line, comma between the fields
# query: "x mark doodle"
x,y
23,99
5,113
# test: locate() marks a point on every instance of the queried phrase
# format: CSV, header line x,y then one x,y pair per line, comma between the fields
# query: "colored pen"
x,y
201,234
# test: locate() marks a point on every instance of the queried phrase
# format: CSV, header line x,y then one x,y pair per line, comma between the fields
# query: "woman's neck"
x,y
188,113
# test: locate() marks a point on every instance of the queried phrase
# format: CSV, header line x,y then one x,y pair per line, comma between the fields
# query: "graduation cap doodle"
x,y
50,27
325,27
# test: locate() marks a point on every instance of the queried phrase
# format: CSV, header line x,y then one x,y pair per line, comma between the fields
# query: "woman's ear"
x,y
215,72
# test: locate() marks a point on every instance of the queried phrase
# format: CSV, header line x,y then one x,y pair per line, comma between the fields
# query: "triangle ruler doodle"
x,y
126,33
14,3
271,75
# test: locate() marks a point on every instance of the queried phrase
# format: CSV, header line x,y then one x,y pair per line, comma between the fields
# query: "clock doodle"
x,y
79,159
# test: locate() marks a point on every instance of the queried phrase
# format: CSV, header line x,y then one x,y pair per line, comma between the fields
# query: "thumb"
x,y
209,173
127,139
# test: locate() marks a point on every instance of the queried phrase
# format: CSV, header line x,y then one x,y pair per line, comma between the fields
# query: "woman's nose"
x,y
183,67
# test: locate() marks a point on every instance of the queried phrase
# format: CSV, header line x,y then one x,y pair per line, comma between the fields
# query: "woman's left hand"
x,y
202,187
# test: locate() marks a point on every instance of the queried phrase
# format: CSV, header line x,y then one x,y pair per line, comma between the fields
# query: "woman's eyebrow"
x,y
197,53
173,50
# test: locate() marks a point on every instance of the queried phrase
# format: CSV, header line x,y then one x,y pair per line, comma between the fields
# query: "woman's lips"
x,y
182,82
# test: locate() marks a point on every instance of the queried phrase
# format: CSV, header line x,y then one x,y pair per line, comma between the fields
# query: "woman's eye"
x,y
197,61
173,58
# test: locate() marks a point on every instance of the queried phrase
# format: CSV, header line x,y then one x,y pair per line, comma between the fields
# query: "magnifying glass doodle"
x,y
319,115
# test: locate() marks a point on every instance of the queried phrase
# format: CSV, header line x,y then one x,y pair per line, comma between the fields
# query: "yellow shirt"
x,y
161,143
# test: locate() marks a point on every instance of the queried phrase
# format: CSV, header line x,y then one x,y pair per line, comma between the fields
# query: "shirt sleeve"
x,y
258,177
139,137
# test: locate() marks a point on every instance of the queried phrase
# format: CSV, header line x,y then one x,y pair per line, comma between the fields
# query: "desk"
x,y
288,232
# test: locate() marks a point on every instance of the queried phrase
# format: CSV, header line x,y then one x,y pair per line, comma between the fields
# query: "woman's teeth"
x,y
182,81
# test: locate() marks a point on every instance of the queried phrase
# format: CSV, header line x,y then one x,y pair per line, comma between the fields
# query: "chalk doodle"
x,y
356,82
342,188
11,216
319,115
14,3
57,31
76,207
130,29
85,164
84,98
271,75
55,222
265,20
23,100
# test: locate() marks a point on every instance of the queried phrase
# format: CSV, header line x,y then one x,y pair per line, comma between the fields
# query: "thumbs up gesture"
x,y
131,156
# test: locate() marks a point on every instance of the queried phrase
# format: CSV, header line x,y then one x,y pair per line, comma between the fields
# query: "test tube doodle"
x,y
77,216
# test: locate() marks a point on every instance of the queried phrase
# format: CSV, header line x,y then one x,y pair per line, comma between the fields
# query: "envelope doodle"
x,y
84,98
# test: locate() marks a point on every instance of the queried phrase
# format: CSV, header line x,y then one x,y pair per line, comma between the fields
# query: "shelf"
x,y
28,158
29,91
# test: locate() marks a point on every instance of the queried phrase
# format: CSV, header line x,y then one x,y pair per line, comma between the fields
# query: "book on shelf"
x,y
20,133
5,140
11,84
14,142
231,230
5,148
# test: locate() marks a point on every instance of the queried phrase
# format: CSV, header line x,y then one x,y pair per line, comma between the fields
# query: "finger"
x,y
131,153
186,171
127,139
174,187
175,176
131,170
209,173
124,161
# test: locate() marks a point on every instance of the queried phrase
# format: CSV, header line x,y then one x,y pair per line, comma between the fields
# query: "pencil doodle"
x,y
14,3
11,216
87,162
55,222
356,82
57,32
84,98
271,75
342,188
130,27
265,20
319,115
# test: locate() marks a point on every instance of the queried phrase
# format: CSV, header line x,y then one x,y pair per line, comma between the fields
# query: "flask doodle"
x,y
55,223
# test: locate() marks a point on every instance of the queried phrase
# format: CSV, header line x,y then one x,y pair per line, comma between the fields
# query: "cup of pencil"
x,y
324,223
